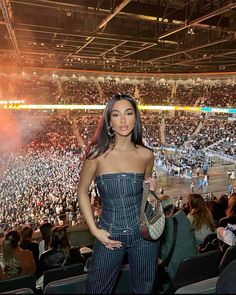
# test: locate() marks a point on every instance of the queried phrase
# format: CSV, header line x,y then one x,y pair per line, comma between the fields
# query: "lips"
x,y
123,128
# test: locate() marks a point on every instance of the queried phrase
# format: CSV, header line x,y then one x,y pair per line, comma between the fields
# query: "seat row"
x,y
196,274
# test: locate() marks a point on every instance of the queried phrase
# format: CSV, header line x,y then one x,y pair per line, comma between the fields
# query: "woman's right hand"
x,y
103,236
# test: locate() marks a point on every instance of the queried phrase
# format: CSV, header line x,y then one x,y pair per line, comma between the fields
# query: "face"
x,y
123,118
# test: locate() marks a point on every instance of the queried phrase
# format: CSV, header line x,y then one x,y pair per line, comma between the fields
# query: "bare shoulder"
x,y
145,152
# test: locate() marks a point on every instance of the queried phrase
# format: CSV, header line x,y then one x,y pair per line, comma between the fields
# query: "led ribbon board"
x,y
17,106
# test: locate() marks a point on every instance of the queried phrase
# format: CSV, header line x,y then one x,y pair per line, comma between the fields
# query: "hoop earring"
x,y
110,131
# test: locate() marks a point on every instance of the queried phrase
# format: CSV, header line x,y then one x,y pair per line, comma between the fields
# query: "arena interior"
x,y
60,62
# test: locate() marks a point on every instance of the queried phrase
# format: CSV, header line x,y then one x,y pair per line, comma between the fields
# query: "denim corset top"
x,y
121,195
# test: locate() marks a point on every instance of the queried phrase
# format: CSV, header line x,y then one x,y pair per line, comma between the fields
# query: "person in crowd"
x,y
192,187
230,212
198,171
1,239
45,243
15,261
201,183
120,163
28,244
161,190
185,245
60,254
230,189
217,211
223,200
205,179
229,174
200,217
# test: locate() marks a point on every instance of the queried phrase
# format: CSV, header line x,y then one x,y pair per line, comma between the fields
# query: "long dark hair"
x,y
201,214
12,266
60,239
46,232
101,139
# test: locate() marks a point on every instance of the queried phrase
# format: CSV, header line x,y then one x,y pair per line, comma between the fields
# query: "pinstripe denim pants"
x,y
121,195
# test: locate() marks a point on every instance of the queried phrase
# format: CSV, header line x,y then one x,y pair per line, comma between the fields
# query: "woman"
x,y
230,212
200,218
15,261
28,244
119,162
45,244
60,254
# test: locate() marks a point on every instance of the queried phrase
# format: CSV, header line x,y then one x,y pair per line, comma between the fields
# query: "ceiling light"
x,y
68,13
191,31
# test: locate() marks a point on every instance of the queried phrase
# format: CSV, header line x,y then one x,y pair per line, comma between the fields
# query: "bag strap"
x,y
146,191
167,260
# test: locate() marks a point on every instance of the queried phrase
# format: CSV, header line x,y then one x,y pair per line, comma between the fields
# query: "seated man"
x,y
185,245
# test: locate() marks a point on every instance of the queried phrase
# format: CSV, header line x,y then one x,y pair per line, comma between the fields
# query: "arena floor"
x,y
176,185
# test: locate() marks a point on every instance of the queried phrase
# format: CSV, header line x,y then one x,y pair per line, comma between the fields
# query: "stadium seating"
x,y
196,268
10,285
63,272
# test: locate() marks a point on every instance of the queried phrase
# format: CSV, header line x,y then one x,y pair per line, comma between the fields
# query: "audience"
x,y
15,261
1,239
60,254
28,244
185,245
45,243
230,212
200,217
217,210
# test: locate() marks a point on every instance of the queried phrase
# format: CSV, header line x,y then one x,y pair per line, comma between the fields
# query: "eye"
x,y
114,115
130,113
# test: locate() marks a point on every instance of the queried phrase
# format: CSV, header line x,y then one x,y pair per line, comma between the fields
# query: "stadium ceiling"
x,y
144,36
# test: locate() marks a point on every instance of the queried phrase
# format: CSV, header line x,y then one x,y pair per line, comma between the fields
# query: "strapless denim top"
x,y
121,195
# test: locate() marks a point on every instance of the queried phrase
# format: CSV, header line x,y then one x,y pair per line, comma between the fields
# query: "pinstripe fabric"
x,y
121,195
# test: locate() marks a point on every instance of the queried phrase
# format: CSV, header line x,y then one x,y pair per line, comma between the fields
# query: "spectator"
x,y
192,187
200,217
45,243
16,261
28,244
1,240
230,212
185,241
223,200
60,254
217,211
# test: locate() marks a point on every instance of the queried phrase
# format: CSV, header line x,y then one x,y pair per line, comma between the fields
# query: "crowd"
x,y
199,223
81,90
39,180
179,129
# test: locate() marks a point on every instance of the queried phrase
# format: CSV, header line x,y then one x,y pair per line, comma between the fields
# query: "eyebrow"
x,y
129,109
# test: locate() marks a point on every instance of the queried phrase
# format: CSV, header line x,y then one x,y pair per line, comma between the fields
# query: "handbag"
x,y
153,228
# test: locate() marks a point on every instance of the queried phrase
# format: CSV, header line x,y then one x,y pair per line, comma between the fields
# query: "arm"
x,y
148,171
86,177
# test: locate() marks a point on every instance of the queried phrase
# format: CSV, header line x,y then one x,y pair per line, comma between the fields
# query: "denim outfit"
x,y
121,195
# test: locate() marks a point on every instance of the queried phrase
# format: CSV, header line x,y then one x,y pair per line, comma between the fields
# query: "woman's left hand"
x,y
153,183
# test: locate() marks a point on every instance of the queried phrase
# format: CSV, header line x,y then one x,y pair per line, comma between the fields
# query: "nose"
x,y
122,118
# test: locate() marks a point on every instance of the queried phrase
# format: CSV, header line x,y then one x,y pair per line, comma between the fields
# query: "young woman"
x,y
200,217
60,254
15,261
46,232
119,162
